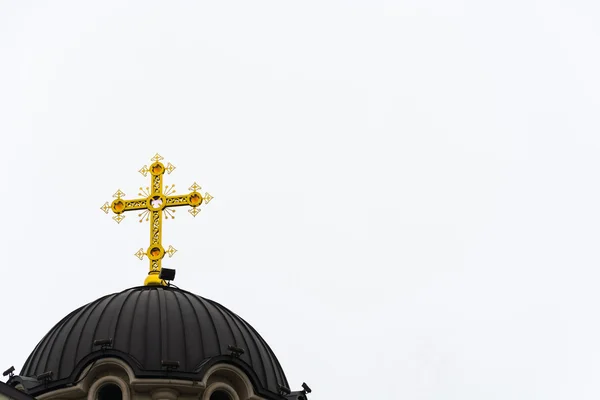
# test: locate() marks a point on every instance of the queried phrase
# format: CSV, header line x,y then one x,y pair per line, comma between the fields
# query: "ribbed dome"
x,y
148,324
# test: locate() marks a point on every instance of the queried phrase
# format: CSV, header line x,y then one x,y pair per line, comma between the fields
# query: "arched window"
x,y
220,395
110,391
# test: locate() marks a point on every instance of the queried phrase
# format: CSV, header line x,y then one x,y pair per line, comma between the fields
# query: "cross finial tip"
x,y
157,157
105,207
169,168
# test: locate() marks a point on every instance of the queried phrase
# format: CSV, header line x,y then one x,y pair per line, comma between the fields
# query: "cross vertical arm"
x,y
157,199
156,202
157,183
155,251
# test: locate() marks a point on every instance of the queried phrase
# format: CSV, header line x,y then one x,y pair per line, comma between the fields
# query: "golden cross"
x,y
156,203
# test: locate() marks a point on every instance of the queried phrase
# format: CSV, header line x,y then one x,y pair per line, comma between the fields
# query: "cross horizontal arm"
x,y
122,205
192,199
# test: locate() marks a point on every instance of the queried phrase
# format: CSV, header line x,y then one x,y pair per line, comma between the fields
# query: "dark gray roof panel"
x,y
149,324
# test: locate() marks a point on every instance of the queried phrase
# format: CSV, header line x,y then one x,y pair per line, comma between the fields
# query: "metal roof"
x,y
149,324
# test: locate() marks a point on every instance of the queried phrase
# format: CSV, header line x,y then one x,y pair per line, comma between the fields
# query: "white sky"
x,y
406,192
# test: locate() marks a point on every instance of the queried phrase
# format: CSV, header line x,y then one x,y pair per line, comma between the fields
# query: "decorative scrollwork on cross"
x,y
156,203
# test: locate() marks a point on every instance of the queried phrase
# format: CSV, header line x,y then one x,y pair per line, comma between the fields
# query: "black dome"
x,y
152,323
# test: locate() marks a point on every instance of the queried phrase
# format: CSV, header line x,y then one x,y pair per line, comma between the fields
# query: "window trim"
x,y
93,392
222,386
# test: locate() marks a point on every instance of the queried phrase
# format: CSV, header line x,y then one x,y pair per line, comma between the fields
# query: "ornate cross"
x,y
155,203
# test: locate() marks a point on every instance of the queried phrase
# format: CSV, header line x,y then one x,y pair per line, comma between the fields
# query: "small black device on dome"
x,y
103,343
170,364
306,388
236,352
283,390
9,372
45,377
167,275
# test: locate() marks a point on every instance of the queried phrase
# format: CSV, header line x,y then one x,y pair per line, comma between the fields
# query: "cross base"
x,y
153,280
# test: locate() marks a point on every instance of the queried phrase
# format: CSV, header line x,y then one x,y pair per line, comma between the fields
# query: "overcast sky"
x,y
406,198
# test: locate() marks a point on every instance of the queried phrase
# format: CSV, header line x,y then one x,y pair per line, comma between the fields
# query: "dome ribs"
x,y
279,370
86,338
248,353
51,337
36,354
233,340
202,341
106,325
139,328
183,361
281,379
80,312
131,317
45,354
202,302
153,334
260,355
113,336
275,366
148,324
259,368
165,333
